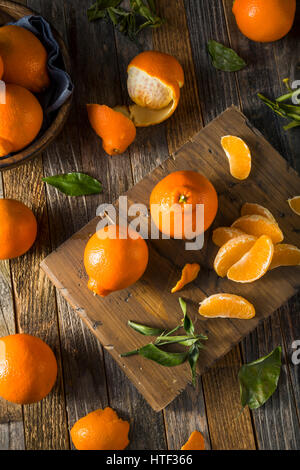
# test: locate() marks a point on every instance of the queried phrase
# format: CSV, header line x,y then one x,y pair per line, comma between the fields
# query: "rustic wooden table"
x,y
88,376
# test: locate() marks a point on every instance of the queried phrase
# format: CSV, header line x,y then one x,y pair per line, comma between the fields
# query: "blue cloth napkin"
x,y
61,84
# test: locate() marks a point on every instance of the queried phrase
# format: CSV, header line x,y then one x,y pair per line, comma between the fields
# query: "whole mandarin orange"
x,y
24,58
100,430
18,228
173,203
264,20
28,368
21,119
115,257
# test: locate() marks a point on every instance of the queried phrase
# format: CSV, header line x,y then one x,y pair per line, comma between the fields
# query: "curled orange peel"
x,y
189,274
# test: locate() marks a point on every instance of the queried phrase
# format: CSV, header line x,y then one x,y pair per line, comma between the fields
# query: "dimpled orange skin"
x,y
116,130
161,66
264,20
189,186
24,58
114,264
18,228
100,430
195,442
21,119
28,368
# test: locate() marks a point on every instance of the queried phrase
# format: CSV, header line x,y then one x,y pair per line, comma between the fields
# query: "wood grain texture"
x,y
187,412
217,90
64,266
89,379
272,63
11,418
36,309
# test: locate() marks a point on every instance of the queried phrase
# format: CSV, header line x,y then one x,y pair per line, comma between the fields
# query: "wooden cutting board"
x,y
149,301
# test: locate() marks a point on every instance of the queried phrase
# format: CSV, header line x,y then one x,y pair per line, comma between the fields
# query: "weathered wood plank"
x,y
272,63
11,419
217,91
36,310
185,122
150,295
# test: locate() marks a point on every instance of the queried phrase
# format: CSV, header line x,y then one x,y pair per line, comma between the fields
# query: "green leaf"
x,y
259,379
152,352
193,359
75,184
99,9
187,322
183,340
224,58
145,330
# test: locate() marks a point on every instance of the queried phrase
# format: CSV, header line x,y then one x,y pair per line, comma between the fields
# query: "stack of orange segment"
x,y
252,246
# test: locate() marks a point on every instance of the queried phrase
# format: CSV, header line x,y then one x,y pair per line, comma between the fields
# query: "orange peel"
x,y
222,235
257,225
250,208
116,130
195,442
255,263
294,204
239,156
285,255
154,82
189,274
226,306
231,252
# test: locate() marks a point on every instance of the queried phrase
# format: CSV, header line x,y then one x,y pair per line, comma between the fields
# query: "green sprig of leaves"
x,y
259,379
154,352
282,108
142,14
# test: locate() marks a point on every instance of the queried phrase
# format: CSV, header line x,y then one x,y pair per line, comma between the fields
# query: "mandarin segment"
x,y
285,255
231,252
222,235
239,156
257,225
189,274
224,305
195,442
100,430
250,208
255,263
24,57
294,204
116,130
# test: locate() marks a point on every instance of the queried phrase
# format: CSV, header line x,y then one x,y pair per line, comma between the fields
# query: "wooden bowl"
x,y
11,11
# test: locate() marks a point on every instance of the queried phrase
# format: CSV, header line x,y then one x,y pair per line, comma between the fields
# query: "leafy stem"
x,y
154,352
141,14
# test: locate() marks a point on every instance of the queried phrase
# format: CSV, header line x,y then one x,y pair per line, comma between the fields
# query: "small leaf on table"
x,y
259,379
224,58
75,184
